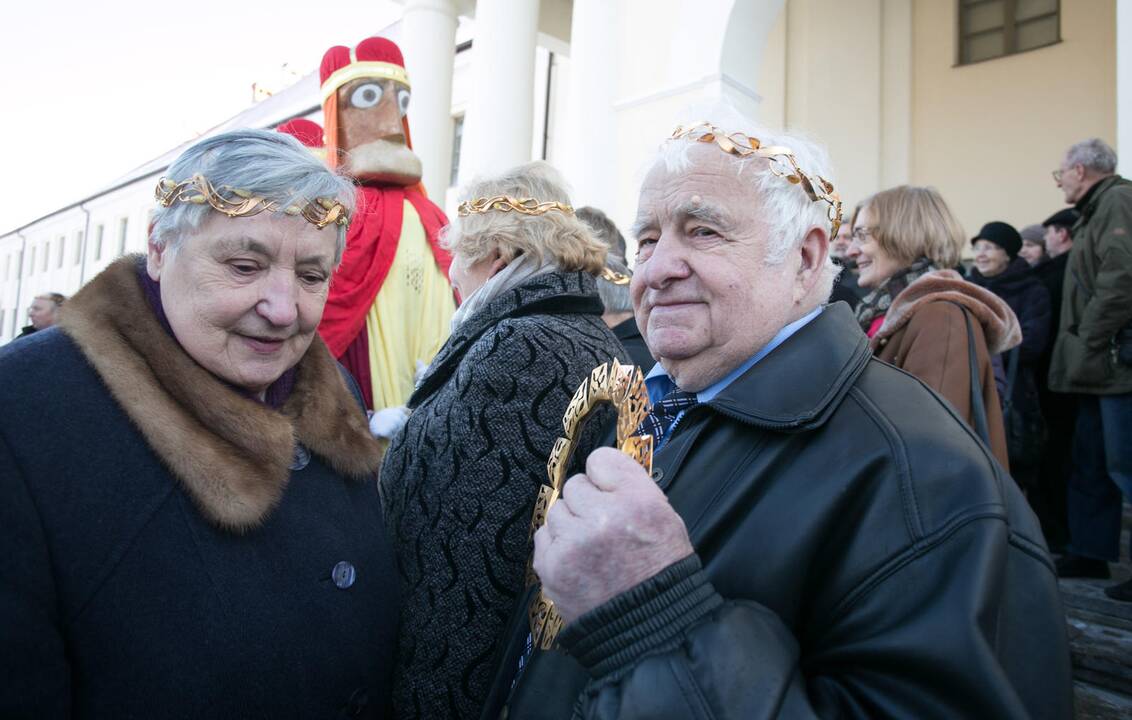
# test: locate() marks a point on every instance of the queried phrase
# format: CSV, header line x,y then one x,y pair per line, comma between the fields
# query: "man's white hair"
x,y
1094,154
787,211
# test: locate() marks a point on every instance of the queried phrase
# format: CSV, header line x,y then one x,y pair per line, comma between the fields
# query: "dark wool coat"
x,y
459,481
858,554
1098,294
165,552
1020,287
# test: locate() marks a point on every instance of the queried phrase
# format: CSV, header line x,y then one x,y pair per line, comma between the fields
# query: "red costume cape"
x,y
371,244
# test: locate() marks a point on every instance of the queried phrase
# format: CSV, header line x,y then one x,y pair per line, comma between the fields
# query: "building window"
x,y
98,233
7,275
46,256
62,250
995,28
457,136
123,231
78,247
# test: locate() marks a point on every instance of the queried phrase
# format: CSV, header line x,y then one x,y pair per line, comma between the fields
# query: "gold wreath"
x,y
782,163
235,202
506,203
624,387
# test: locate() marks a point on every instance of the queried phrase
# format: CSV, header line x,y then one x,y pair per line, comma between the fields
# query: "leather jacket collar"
x,y
812,371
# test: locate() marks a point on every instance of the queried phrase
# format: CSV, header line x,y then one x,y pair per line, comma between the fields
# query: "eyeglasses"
x,y
1058,173
860,233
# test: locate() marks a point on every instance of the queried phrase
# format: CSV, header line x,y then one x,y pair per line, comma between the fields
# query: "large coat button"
x,y
343,575
358,702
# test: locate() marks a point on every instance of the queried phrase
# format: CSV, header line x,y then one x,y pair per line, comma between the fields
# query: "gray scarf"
x,y
517,272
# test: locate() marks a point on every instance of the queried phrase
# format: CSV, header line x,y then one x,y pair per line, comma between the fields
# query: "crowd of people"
x,y
896,252
199,519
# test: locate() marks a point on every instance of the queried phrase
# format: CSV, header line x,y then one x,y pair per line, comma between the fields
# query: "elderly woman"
x,y
189,514
459,481
924,318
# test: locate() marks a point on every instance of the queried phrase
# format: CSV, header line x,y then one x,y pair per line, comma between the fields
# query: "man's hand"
x,y
611,529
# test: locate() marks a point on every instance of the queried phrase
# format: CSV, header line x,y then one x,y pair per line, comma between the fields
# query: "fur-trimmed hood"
x,y
1000,324
232,454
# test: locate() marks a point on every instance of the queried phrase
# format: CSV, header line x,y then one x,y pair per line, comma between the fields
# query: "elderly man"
x,y
821,536
43,312
1093,357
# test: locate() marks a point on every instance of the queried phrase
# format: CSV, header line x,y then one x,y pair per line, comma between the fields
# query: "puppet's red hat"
x,y
374,57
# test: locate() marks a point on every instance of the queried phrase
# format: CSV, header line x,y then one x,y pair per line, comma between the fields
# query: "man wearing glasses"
x,y
1093,358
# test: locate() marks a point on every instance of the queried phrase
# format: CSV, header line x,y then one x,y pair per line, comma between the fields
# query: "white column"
x,y
591,136
1124,87
895,92
429,44
497,126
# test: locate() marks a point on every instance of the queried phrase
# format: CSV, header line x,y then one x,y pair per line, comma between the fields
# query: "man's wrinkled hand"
x,y
611,529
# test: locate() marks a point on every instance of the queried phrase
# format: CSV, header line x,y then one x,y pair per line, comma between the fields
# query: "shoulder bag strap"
x,y
978,409
1013,360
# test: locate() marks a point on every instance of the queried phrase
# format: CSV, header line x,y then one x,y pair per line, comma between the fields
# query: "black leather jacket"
x,y
858,554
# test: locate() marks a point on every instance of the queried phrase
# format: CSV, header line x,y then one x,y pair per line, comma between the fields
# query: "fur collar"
x,y
1000,324
231,454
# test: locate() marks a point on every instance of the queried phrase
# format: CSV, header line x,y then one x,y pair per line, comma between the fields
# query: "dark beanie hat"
x,y
1002,234
1066,218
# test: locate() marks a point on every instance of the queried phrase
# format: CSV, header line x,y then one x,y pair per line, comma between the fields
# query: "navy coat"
x,y
121,596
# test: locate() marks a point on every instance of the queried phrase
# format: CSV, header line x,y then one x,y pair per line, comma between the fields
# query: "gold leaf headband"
x,y
782,163
506,203
234,202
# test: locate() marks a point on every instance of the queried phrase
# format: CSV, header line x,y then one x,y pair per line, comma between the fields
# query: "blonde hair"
x,y
913,222
554,237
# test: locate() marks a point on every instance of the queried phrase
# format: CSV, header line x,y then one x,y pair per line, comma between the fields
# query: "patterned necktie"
x,y
664,413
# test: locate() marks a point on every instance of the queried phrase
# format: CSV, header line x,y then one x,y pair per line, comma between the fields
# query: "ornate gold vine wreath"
x,y
623,386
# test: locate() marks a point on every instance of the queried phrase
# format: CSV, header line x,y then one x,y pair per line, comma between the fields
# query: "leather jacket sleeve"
x,y
917,639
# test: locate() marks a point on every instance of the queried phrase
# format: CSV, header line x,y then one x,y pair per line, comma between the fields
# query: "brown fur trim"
x,y
231,453
1000,324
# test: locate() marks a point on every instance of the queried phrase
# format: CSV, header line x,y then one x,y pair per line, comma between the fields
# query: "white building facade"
x,y
900,91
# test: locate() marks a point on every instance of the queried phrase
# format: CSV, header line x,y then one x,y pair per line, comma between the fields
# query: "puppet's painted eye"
x,y
365,96
403,101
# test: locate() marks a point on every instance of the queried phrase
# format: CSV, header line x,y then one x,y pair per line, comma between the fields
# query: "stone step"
x,y
1095,703
1101,651
1089,595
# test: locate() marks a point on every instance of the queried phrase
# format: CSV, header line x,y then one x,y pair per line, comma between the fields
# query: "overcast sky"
x,y
90,90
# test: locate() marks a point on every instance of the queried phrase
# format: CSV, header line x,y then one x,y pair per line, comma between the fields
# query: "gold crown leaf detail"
x,y
237,202
781,160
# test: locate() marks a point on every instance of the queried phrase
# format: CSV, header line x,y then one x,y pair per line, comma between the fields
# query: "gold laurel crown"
x,y
506,203
781,158
235,202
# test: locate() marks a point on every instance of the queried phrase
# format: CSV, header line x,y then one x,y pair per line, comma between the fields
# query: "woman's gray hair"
x,y
266,163
614,297
556,237
786,210
1094,154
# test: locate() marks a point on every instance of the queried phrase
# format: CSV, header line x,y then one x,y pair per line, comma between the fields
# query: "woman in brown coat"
x,y
920,317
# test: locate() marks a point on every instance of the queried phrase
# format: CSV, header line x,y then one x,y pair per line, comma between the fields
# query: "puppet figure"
x,y
390,301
